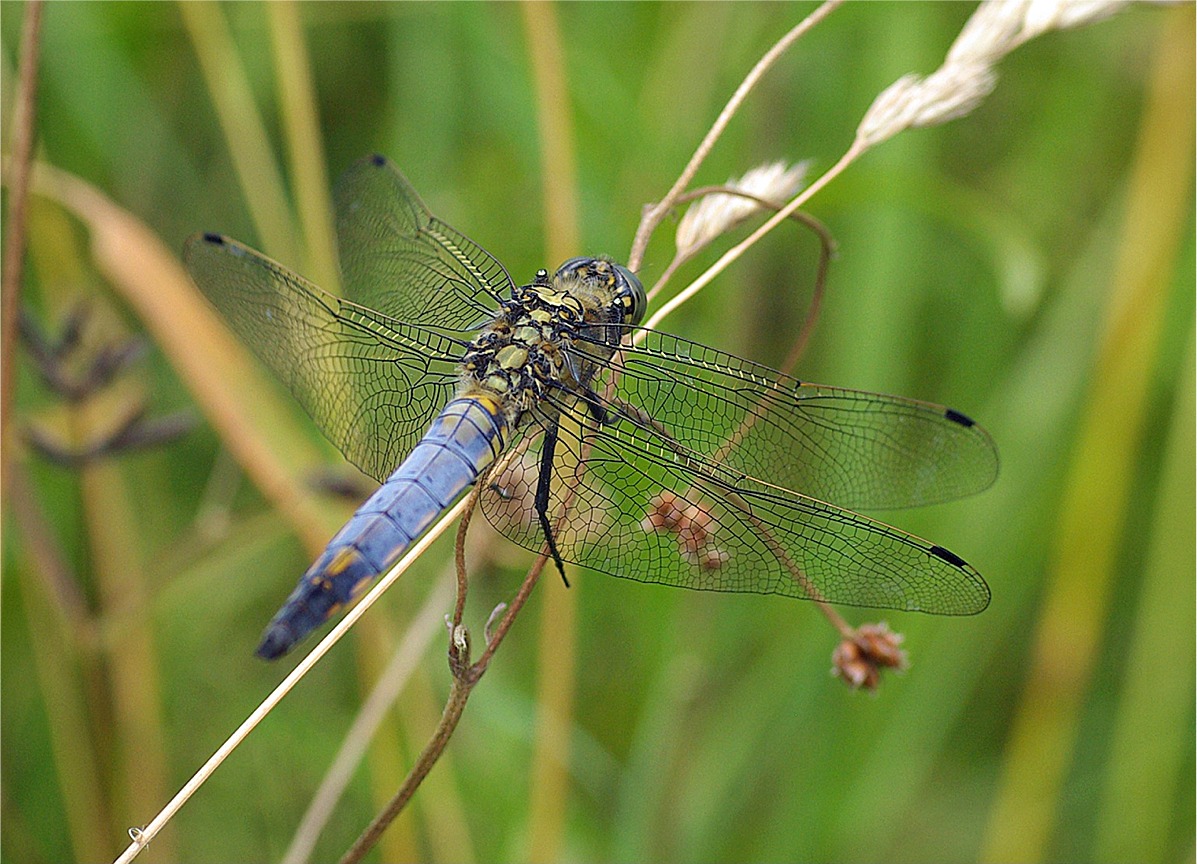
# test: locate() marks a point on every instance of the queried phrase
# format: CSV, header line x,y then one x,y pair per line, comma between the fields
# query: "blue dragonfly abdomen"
x,y
463,440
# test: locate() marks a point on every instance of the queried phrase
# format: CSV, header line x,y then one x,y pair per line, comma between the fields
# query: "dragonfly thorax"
x,y
553,334
526,349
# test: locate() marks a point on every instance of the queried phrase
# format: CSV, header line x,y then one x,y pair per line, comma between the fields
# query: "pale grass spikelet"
x,y
1044,15
967,75
718,213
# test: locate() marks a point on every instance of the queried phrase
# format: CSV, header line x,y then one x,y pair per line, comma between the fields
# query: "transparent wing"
x,y
397,258
371,382
625,502
856,449
712,472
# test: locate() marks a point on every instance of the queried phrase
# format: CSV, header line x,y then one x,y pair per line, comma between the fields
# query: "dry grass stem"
x,y
655,213
955,89
143,836
466,675
420,632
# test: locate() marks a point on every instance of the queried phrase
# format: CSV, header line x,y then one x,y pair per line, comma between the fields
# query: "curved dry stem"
x,y
416,639
517,603
459,692
826,252
142,836
744,245
463,582
654,214
465,676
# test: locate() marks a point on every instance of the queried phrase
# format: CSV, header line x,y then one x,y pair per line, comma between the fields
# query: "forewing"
x,y
371,382
851,448
397,258
624,503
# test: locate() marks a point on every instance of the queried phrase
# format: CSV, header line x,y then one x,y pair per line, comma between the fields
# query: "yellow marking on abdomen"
x,y
346,556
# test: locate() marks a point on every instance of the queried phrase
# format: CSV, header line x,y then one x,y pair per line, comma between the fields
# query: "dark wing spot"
x,y
957,417
951,557
378,159
214,239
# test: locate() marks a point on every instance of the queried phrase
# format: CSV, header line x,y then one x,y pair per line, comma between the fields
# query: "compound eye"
x,y
633,288
573,264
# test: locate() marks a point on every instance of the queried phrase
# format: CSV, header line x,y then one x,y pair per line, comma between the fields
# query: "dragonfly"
x,y
621,449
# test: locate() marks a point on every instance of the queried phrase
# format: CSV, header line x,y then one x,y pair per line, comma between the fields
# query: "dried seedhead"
x,y
669,513
81,366
859,658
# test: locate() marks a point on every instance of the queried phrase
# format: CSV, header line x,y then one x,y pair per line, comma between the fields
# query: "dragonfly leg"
x,y
599,413
601,416
542,496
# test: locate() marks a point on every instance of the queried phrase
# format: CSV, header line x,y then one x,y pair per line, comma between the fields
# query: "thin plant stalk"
x,y
837,621
653,216
683,256
1084,562
826,251
24,126
549,780
751,240
245,133
142,836
305,144
421,630
466,676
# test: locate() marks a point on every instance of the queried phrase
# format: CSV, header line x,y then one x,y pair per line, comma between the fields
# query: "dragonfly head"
x,y
627,293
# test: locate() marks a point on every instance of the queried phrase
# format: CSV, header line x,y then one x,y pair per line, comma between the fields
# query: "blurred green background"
x,y
1031,264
